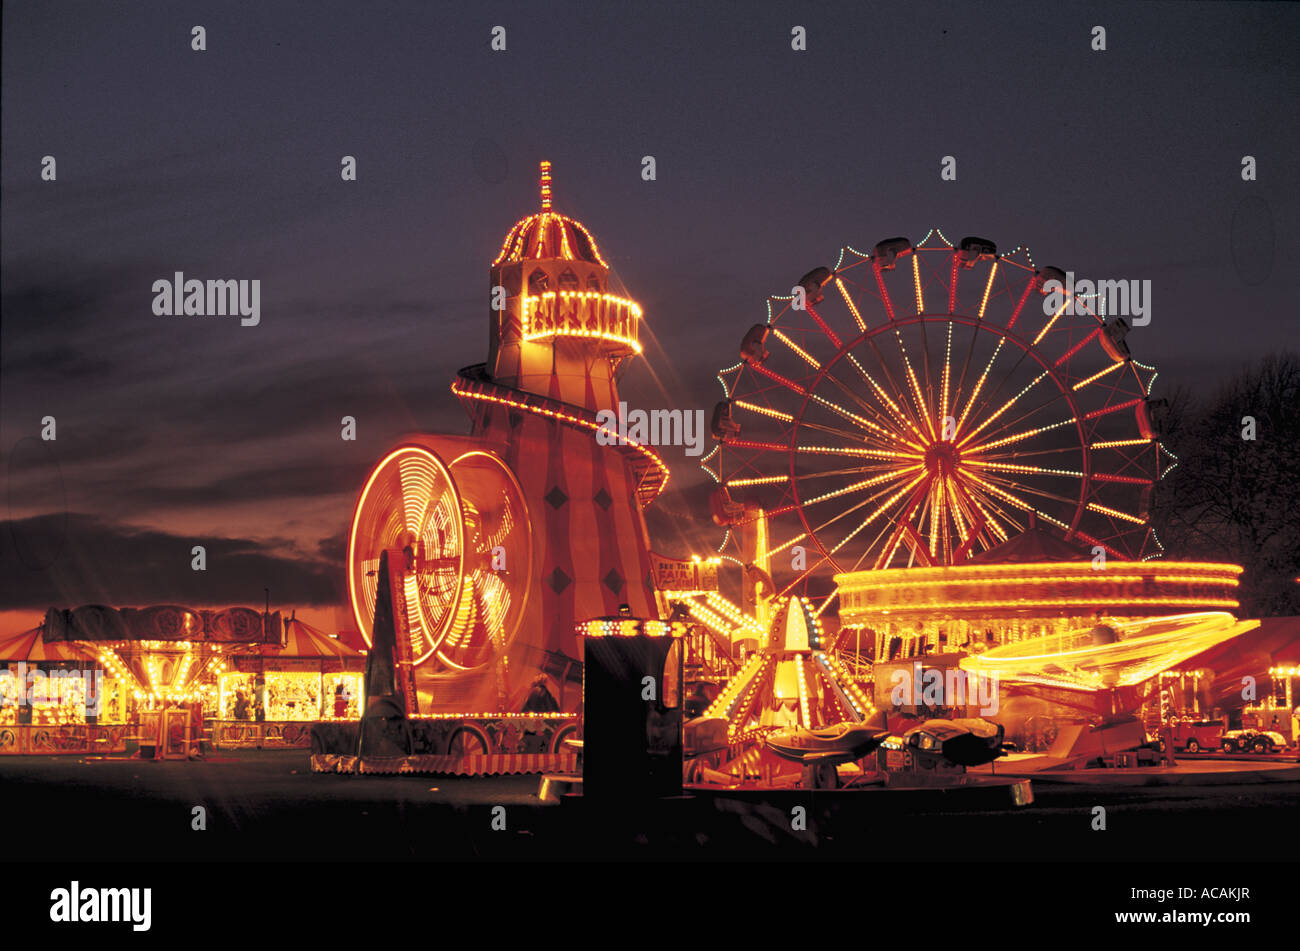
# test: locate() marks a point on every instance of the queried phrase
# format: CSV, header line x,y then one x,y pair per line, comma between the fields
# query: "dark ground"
x,y
264,805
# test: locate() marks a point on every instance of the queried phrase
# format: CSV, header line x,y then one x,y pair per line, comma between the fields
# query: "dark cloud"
x,y
50,560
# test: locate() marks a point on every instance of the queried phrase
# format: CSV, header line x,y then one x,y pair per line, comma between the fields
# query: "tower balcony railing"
x,y
591,314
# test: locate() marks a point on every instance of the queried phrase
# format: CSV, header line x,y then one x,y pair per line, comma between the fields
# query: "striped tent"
x,y
301,640
31,647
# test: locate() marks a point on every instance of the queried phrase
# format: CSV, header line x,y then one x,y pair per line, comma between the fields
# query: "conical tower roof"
x,y
548,235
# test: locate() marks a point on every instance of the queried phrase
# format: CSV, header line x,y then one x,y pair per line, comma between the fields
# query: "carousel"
x,y
161,664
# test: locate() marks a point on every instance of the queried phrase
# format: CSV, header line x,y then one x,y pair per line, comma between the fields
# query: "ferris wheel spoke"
x,y
981,500
775,377
799,351
859,486
979,383
760,410
1071,450
1022,469
1114,513
875,514
855,470
1069,298
824,327
871,547
1005,378
884,425
1018,503
848,302
922,410
947,373
855,438
871,430
1027,489
884,291
935,499
983,447
850,451
863,504
958,514
1034,410
974,337
913,422
916,283
903,420
988,420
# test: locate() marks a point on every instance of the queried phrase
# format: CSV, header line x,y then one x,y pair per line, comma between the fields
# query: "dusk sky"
x,y
176,431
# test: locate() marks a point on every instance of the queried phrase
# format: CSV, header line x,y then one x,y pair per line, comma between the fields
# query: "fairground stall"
x,y
168,659
57,698
268,696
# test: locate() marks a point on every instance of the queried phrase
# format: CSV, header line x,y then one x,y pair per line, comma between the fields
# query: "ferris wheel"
x,y
917,405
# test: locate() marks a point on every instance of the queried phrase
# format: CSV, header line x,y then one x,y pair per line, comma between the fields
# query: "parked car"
x,y
1196,735
1258,741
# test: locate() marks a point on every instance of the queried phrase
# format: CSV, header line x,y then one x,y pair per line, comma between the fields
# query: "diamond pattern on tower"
x,y
602,499
558,580
556,497
613,581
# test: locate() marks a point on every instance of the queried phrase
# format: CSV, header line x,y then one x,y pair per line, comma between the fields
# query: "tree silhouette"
x,y
1233,498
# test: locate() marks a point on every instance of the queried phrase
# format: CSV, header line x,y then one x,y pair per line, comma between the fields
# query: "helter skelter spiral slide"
x,y
916,405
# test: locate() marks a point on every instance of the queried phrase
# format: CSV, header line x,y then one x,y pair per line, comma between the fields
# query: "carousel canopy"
x,y
161,622
31,647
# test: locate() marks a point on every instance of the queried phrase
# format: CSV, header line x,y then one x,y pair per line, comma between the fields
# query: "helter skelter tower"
x,y
529,524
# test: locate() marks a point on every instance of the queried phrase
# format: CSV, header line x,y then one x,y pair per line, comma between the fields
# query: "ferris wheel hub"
x,y
942,458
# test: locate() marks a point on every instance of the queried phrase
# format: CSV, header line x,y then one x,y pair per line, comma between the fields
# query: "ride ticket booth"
x,y
171,733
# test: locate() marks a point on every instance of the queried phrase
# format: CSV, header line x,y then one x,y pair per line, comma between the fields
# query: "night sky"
x,y
178,431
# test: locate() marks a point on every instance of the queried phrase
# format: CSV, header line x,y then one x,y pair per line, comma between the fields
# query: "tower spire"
x,y
546,185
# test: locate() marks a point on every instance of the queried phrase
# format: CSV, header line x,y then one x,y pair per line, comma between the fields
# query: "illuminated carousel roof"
x,y
1073,588
549,235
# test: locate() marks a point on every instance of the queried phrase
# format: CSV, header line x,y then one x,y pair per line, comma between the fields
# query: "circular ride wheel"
x,y
409,503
